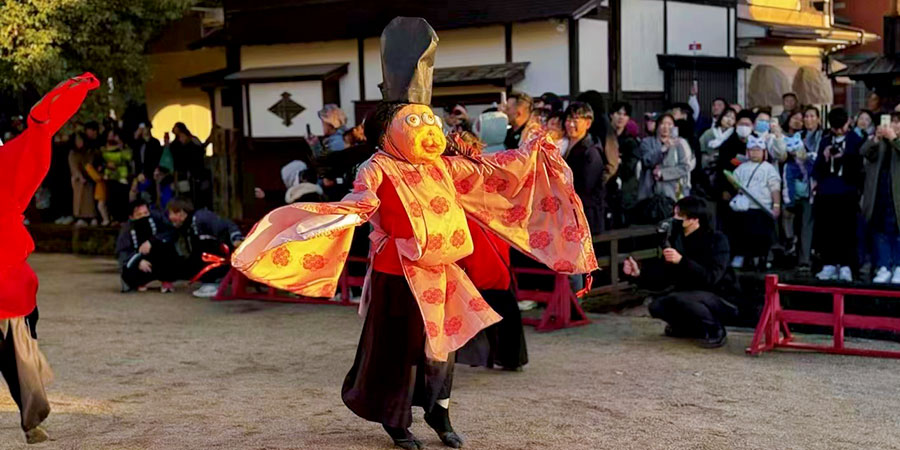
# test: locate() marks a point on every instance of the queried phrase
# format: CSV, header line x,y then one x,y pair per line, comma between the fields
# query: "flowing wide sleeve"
x,y
302,247
526,197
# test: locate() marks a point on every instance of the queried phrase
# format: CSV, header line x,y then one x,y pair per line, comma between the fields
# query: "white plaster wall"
x,y
470,47
464,47
642,40
708,25
266,124
311,53
545,45
593,55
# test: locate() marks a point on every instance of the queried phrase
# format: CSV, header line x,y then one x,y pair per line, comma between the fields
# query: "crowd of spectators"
x,y
99,167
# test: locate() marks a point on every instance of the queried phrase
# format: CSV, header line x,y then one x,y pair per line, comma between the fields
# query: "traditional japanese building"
x,y
262,75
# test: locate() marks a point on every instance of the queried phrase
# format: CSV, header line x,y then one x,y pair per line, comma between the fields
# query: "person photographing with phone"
x,y
881,197
837,172
698,284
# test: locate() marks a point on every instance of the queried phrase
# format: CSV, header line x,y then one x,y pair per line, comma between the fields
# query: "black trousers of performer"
x,y
390,373
502,343
22,378
693,313
165,266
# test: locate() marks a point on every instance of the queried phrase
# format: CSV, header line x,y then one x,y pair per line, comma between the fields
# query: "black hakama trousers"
x,y
390,373
502,343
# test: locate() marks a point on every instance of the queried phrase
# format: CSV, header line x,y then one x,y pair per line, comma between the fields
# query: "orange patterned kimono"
x,y
523,195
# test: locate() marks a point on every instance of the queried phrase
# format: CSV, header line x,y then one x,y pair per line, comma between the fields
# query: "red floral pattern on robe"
x,y
428,258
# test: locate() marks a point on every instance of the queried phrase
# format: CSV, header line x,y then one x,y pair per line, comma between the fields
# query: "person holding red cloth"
x,y
502,343
27,158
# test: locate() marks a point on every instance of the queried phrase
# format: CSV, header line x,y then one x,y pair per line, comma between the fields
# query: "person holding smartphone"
x,y
700,286
881,198
837,172
667,162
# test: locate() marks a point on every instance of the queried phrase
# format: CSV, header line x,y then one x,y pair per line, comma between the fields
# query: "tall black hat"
x,y
407,60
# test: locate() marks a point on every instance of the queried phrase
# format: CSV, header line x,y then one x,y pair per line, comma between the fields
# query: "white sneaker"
x,y
526,305
884,275
827,273
846,275
208,290
737,262
896,278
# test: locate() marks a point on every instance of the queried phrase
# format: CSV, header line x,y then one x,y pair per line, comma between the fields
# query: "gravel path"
x,y
153,371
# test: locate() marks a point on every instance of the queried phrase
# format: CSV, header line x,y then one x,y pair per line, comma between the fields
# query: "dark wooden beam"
x,y
665,26
615,49
361,66
574,88
233,64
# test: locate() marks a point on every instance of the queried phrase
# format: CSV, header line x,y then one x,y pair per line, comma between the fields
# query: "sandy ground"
x,y
144,371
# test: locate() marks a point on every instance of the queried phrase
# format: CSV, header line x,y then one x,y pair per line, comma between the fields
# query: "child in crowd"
x,y
755,223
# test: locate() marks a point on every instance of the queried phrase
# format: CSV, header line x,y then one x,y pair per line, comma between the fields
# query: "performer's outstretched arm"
x,y
526,197
302,247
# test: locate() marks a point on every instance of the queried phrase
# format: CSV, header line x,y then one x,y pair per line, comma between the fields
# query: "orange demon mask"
x,y
415,135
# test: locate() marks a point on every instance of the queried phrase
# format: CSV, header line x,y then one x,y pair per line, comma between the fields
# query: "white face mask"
x,y
743,130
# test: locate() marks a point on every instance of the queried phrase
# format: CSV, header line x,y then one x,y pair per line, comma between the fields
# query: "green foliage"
x,y
43,42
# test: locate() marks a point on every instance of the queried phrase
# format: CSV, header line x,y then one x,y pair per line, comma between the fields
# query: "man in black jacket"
x,y
695,267
147,153
143,250
518,107
586,159
198,232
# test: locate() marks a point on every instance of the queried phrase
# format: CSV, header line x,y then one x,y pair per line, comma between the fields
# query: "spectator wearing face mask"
x,y
700,289
771,132
881,199
144,250
837,173
754,230
732,153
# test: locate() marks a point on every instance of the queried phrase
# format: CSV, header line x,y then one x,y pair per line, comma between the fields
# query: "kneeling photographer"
x,y
699,284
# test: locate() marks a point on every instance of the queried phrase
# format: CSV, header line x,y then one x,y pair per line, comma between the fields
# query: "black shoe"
x,y
673,332
403,438
714,339
439,421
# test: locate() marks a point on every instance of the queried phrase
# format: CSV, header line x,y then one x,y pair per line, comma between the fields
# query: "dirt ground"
x,y
153,371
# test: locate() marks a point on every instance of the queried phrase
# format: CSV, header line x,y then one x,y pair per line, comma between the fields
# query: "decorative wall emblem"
x,y
286,109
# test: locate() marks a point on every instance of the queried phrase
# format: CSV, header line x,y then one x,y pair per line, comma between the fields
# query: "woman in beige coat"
x,y
82,187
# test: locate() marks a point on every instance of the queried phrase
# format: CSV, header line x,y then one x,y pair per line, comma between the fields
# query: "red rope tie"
x,y
588,282
213,261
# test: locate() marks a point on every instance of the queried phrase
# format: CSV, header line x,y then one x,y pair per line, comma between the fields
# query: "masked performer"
x,y
419,306
27,158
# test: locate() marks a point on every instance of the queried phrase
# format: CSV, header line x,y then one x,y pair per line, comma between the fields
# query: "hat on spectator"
x,y
333,115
